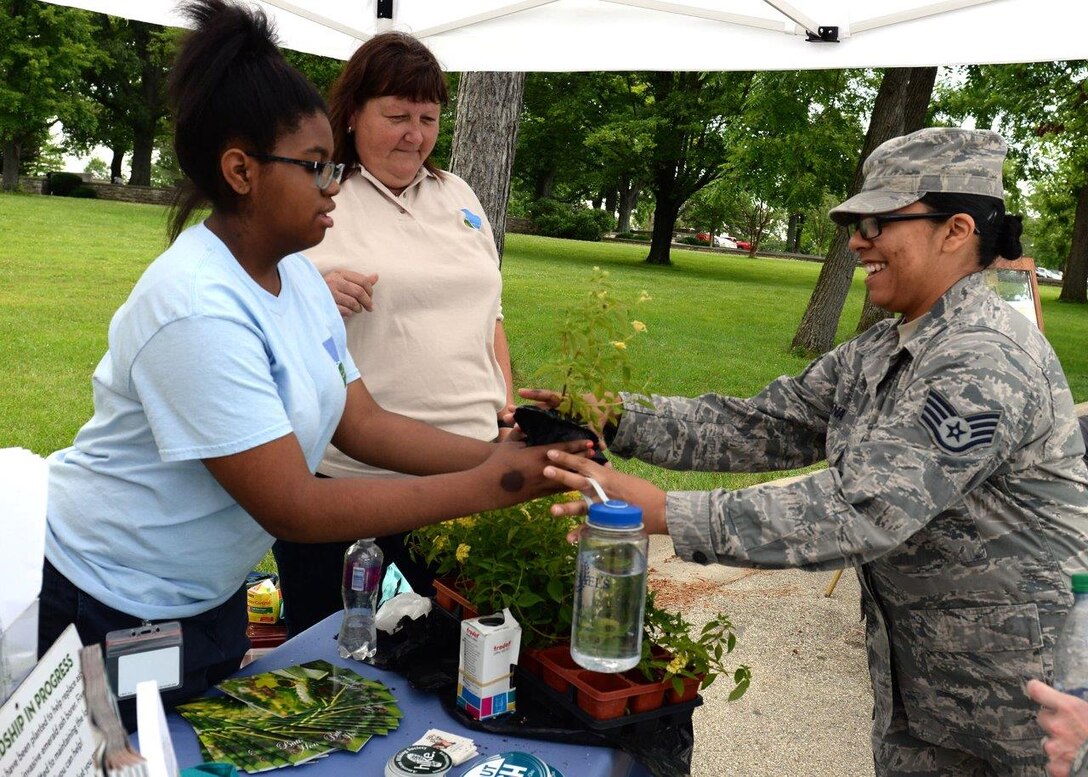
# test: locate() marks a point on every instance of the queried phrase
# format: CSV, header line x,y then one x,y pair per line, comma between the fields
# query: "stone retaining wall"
x,y
109,191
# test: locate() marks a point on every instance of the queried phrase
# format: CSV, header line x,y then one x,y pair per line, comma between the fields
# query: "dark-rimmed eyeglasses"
x,y
324,172
870,227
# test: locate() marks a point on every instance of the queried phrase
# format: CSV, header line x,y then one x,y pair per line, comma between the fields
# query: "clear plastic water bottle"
x,y
1071,652
361,587
610,589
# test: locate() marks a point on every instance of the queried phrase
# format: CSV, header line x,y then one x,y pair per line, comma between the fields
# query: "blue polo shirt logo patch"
x,y
471,219
955,433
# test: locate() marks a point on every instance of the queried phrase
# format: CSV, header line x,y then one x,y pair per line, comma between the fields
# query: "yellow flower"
x,y
619,345
678,662
644,296
441,541
638,326
462,552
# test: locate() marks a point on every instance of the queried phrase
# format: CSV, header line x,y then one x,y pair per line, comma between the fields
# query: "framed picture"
x,y
1015,282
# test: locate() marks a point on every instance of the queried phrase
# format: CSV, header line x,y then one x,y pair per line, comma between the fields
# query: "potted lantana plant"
x,y
592,362
686,658
516,557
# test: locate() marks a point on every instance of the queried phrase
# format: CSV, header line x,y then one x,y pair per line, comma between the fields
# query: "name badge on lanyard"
x,y
148,652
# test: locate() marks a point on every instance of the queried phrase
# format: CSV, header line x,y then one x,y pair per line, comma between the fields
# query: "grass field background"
x,y
717,322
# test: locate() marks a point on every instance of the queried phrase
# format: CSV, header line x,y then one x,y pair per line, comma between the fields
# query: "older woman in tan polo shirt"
x,y
412,265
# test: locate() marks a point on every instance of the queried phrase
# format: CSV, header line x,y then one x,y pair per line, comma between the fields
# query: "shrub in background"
x,y
63,184
83,192
574,222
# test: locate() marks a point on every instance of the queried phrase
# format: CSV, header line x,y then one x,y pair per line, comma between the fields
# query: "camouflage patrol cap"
x,y
935,159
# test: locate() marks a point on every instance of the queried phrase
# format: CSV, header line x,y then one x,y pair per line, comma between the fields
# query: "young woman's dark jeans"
x,y
213,642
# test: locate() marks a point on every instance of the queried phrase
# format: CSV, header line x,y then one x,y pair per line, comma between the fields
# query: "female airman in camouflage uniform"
x,y
954,481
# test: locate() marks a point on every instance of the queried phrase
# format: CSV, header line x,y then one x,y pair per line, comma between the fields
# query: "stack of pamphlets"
x,y
114,752
290,716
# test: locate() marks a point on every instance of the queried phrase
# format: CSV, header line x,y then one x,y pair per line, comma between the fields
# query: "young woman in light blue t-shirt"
x,y
226,377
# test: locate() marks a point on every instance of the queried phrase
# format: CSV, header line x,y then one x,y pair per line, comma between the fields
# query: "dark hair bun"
x,y
1008,237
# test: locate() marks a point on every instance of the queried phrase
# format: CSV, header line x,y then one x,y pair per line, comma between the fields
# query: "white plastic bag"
x,y
408,603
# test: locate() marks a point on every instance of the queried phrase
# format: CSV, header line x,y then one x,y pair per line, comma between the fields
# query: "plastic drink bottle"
x,y
361,587
610,589
1071,651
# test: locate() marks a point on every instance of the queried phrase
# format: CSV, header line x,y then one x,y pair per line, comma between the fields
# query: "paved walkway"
x,y
809,707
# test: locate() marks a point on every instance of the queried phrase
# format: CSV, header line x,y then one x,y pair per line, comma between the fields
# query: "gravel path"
x,y
808,710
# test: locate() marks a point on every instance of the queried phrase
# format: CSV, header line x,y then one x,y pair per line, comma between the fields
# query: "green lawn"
x,y
716,322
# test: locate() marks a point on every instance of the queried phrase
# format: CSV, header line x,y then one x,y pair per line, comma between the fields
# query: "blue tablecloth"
x,y
422,711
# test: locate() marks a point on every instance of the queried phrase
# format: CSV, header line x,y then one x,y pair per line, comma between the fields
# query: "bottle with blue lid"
x,y
1071,650
610,588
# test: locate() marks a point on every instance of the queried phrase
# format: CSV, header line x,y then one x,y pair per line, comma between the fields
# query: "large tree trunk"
x,y
629,191
544,184
916,100
143,145
115,164
1075,275
145,121
816,332
918,95
793,232
485,138
665,214
11,165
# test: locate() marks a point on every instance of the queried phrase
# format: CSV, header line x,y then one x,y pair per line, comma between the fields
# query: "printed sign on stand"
x,y
44,728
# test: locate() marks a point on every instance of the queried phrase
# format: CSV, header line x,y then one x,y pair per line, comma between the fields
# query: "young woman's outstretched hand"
x,y
572,472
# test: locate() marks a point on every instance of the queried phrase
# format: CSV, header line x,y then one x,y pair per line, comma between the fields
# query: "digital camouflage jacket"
x,y
954,482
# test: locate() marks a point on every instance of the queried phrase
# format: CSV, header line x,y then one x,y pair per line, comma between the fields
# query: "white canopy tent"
x,y
561,35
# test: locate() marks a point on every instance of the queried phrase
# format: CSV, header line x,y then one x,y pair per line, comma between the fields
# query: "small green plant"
x,y
593,361
691,655
516,557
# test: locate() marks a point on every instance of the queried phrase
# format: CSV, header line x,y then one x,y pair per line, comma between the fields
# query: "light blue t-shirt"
x,y
202,362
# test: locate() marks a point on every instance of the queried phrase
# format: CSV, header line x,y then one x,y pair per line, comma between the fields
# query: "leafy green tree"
x,y
691,117
560,111
96,167
797,140
816,332
126,82
43,52
1041,109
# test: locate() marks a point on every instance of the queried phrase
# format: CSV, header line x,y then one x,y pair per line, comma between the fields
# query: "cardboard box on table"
x,y
489,650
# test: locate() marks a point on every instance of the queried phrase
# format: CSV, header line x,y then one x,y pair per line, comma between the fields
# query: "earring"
x,y
351,130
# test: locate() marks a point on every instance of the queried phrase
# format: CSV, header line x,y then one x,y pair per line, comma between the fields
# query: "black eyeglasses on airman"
x,y
870,227
324,172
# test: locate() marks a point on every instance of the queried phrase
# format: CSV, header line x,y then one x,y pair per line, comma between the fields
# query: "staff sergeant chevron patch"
x,y
953,432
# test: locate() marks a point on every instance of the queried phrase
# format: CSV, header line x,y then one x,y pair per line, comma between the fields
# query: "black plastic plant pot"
x,y
542,427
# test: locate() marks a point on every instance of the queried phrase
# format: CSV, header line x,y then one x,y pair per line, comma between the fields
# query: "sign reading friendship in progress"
x,y
44,728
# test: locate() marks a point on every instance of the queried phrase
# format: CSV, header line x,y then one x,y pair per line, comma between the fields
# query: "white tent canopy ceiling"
x,y
560,35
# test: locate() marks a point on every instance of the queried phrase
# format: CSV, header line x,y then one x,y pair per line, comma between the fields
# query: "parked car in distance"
x,y
1044,273
720,241
744,245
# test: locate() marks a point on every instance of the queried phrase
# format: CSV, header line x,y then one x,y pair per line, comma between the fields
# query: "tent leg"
x,y
834,581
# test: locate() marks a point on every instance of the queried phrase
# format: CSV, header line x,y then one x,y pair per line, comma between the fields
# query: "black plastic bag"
x,y
541,427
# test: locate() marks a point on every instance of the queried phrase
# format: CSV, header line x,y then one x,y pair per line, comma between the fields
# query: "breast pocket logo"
x,y
470,219
953,432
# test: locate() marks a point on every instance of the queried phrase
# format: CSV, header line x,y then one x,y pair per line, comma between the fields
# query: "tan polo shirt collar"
x,y
400,201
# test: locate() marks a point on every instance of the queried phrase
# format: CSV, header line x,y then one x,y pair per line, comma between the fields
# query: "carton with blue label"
x,y
489,651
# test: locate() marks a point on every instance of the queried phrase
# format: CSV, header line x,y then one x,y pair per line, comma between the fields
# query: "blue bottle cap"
x,y
615,514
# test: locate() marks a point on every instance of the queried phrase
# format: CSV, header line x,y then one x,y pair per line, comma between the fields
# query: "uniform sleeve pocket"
x,y
990,629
